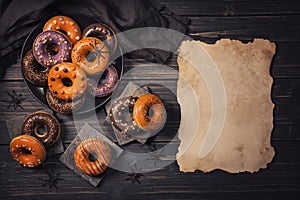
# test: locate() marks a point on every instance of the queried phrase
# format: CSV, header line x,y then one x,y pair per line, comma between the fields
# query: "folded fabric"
x,y
18,18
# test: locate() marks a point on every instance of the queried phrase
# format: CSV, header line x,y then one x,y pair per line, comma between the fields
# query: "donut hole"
x,y
91,56
67,82
62,31
150,112
98,34
41,68
41,130
52,48
26,151
103,78
93,157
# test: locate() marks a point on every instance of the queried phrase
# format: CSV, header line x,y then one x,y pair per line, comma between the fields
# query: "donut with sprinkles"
x,y
67,81
27,150
51,48
66,25
107,83
43,126
120,115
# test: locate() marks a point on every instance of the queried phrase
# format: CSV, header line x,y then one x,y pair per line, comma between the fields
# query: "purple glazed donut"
x,y
51,48
107,83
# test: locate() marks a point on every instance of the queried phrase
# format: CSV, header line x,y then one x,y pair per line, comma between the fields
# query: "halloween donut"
x,y
27,150
149,112
107,83
120,115
43,126
65,25
92,156
63,106
91,54
33,71
67,81
51,48
104,33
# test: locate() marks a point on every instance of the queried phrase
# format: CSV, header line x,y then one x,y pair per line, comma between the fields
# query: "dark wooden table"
x,y
210,20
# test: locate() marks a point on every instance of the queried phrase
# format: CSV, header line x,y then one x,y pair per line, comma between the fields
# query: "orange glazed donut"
x,y
149,112
65,25
67,81
91,54
92,156
27,150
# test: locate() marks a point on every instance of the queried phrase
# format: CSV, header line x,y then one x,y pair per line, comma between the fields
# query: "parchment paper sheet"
x,y
244,143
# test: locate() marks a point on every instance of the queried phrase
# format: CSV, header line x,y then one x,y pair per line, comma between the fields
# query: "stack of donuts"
x,y
40,131
68,61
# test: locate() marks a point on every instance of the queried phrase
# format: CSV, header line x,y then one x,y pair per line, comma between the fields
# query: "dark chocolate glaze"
x,y
45,121
63,106
104,33
33,71
120,115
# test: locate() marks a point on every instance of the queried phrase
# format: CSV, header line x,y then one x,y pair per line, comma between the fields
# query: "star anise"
x,y
134,176
15,100
52,179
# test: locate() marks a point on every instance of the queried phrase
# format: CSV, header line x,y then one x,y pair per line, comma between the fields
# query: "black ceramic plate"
x,y
39,92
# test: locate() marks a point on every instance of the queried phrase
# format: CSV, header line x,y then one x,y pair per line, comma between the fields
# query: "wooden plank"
x,y
274,28
232,7
25,182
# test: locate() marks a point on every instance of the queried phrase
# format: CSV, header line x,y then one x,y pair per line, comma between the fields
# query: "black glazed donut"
x,y
33,71
43,126
63,106
104,33
120,115
51,48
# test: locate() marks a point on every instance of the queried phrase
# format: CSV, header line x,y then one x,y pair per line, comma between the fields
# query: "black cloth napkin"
x,y
19,17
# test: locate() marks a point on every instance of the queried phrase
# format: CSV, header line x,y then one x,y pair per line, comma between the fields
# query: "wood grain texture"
x,y
232,8
211,20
